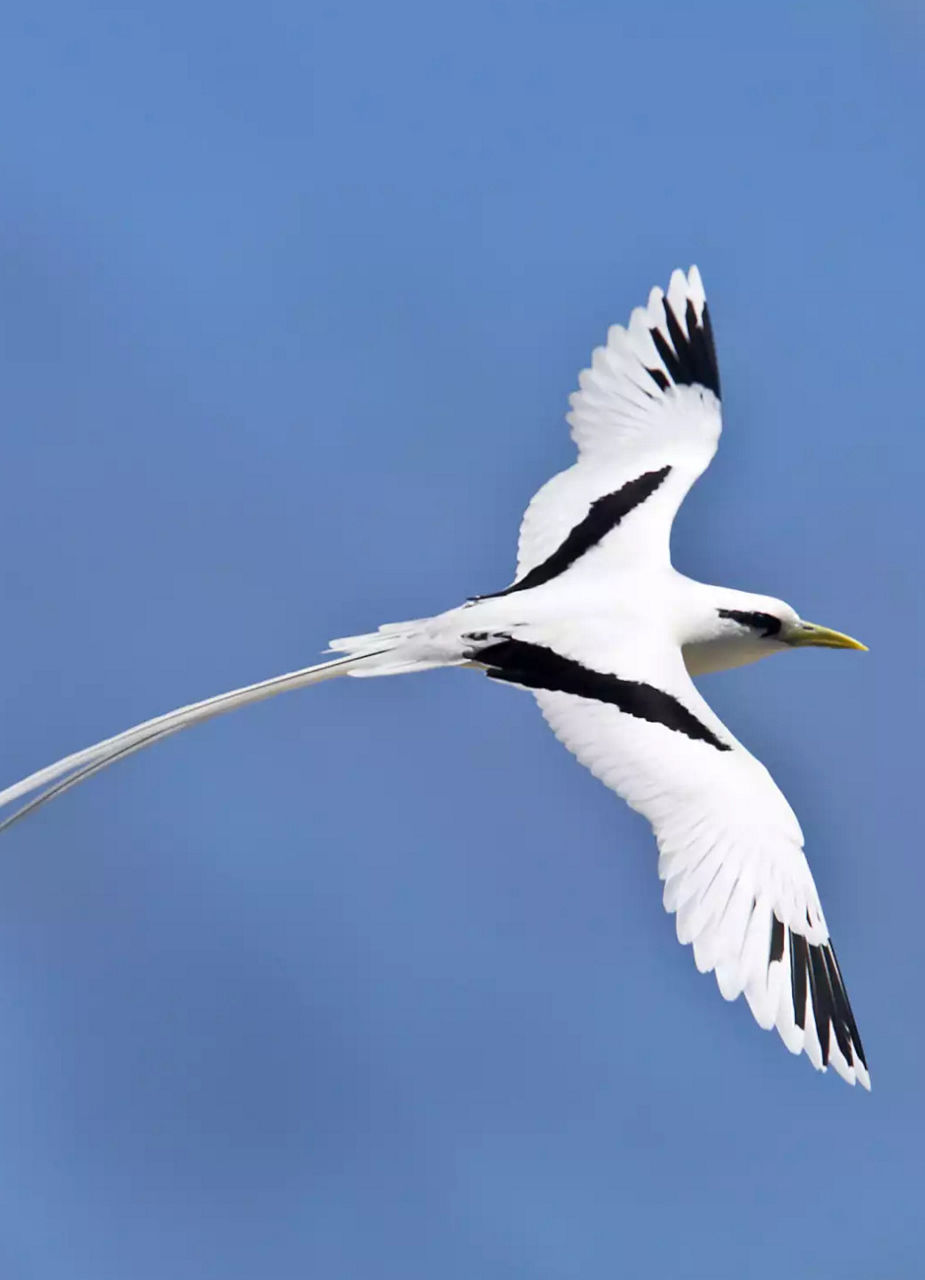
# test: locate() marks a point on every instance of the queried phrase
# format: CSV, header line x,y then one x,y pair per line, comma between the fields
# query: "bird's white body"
x,y
607,635
636,606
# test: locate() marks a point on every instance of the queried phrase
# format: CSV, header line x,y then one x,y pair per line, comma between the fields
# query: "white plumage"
x,y
605,632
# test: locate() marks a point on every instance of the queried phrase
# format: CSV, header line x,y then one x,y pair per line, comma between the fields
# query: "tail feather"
x,y
66,773
413,646
390,633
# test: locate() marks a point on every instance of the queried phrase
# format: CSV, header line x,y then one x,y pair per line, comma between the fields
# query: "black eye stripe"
x,y
766,623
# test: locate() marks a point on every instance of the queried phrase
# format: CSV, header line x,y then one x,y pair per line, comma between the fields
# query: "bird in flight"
x,y
606,634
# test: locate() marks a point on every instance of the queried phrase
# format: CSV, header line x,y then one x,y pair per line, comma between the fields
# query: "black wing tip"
x,y
814,972
689,357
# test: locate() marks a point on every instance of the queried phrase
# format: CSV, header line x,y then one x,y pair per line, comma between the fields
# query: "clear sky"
x,y
374,981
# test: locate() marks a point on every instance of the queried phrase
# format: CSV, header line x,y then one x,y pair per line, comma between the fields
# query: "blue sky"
x,y
374,981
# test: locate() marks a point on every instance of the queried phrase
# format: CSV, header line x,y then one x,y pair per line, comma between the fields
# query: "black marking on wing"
x,y
845,1022
815,968
798,961
536,667
690,358
822,999
766,623
603,516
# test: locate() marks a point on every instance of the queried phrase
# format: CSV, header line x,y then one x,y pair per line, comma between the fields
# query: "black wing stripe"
x,y
842,1003
798,966
669,359
603,516
822,998
710,360
843,1019
536,667
683,348
815,968
689,358
703,353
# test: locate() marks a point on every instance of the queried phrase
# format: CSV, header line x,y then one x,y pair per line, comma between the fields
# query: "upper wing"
x,y
731,849
646,421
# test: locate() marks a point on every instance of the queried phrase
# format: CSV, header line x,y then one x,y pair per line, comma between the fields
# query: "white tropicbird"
x,y
607,634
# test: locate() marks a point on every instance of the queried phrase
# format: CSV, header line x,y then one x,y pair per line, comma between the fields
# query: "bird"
x,y
608,637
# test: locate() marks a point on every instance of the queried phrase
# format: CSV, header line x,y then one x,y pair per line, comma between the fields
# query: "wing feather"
x,y
730,847
649,400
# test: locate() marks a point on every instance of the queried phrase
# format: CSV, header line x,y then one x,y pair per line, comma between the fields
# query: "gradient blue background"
x,y
374,981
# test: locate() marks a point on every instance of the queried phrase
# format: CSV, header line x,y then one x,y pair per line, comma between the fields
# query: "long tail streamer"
x,y
66,773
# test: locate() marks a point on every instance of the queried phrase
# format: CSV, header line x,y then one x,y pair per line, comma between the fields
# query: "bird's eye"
x,y
764,623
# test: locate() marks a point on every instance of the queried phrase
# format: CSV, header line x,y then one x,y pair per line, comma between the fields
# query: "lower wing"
x,y
730,848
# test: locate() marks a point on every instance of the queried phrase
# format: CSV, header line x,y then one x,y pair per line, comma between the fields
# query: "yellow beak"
x,y
806,633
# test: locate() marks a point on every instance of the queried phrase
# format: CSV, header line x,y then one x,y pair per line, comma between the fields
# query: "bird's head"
x,y
779,623
743,627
